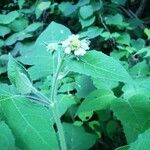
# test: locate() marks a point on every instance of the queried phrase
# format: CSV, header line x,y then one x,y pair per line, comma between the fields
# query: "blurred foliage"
x,y
119,28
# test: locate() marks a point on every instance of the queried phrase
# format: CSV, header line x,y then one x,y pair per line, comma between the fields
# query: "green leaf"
x,y
85,116
142,143
1,43
18,24
100,83
126,147
147,32
31,124
76,137
91,32
19,76
7,141
39,57
87,22
138,44
23,84
97,100
64,102
41,7
114,20
133,114
84,86
67,8
17,37
8,18
21,3
86,11
124,39
4,31
14,68
141,69
119,2
33,27
99,65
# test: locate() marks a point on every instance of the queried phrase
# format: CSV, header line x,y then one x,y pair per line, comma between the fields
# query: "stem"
x,y
53,99
60,130
55,80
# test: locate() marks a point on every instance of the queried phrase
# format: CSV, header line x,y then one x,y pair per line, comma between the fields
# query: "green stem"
x,y
57,120
55,81
60,130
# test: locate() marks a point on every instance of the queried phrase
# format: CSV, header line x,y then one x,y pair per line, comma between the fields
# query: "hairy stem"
x,y
60,130
56,117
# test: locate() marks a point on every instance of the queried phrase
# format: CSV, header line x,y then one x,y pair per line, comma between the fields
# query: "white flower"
x,y
80,52
66,43
67,50
73,45
52,46
85,44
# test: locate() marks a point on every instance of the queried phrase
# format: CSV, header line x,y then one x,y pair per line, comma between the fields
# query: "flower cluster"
x,y
52,46
73,45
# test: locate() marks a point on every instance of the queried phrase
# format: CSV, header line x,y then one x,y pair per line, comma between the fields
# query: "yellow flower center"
x,y
75,43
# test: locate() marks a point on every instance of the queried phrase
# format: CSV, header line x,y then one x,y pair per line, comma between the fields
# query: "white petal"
x,y
83,52
52,46
67,50
79,52
66,43
85,44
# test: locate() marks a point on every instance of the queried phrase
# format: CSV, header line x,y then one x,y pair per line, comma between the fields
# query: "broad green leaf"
x,y
100,83
14,68
12,39
39,57
76,137
96,100
141,69
7,141
133,114
18,24
19,76
4,31
84,86
8,18
99,65
91,32
23,84
31,124
64,102
86,11
141,85
33,27
142,143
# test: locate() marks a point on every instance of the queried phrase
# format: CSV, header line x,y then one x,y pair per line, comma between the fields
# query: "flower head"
x,y
73,45
52,46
